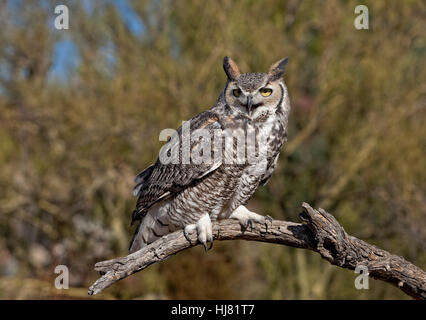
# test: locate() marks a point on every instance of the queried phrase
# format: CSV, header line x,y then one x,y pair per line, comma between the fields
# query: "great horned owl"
x,y
190,194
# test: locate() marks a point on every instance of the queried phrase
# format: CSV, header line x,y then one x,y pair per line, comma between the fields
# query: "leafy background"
x,y
81,111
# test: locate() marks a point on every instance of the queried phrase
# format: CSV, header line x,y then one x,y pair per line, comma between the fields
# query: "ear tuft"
x,y
230,68
277,69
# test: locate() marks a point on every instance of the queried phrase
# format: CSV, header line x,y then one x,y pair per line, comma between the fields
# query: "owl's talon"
x,y
190,228
186,235
211,242
246,217
203,227
268,218
205,244
249,223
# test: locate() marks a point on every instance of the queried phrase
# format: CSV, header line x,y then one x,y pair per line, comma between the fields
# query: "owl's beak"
x,y
249,103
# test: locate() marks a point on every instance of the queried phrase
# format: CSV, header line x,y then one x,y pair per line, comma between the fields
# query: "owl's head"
x,y
255,94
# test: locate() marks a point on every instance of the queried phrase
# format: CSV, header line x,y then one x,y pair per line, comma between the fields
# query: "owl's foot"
x,y
246,217
203,227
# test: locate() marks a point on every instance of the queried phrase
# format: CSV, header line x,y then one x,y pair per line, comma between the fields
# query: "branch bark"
x,y
320,233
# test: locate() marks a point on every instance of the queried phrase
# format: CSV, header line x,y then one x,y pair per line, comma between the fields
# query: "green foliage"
x,y
70,147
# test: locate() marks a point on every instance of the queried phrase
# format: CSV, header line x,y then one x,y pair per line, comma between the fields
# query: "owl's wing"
x,y
272,162
270,169
160,181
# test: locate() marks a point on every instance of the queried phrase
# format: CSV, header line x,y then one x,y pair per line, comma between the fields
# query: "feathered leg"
x,y
246,217
204,231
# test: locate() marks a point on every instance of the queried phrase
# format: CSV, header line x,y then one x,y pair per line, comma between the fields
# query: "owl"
x,y
213,163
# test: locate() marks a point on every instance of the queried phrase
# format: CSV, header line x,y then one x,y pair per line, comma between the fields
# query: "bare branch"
x,y
321,233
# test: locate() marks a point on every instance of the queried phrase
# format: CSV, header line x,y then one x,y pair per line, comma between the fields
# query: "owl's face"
x,y
254,94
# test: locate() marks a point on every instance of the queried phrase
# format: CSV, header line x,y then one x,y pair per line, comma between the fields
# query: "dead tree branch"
x,y
320,233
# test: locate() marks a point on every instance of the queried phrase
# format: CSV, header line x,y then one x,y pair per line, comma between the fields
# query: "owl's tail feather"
x,y
132,242
148,230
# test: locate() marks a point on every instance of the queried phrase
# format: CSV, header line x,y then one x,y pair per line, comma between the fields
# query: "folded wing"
x,y
160,181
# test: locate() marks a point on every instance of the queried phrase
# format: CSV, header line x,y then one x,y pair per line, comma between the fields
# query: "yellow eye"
x,y
236,92
265,92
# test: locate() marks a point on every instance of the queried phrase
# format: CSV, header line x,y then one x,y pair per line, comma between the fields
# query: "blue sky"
x,y
65,53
